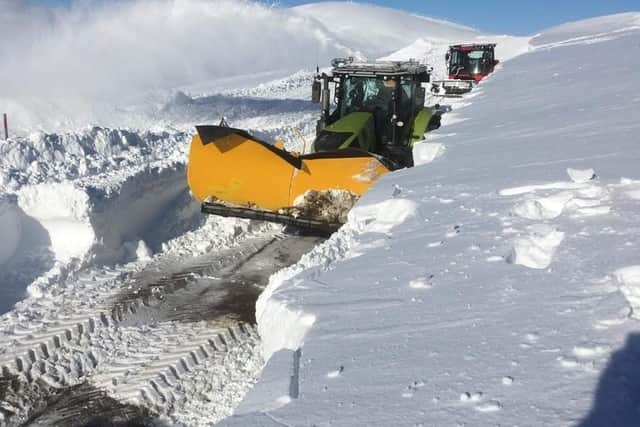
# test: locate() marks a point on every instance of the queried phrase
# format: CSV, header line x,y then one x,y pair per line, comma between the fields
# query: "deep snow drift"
x,y
496,285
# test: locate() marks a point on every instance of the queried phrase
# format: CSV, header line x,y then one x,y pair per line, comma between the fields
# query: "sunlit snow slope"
x,y
496,285
376,31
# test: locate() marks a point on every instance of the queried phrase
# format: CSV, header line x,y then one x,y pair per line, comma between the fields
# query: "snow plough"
x,y
377,115
467,64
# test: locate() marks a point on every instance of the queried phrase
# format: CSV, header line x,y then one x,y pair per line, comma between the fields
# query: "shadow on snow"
x,y
617,398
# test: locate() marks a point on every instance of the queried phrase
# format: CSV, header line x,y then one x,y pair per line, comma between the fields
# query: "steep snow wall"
x,y
101,220
514,273
102,217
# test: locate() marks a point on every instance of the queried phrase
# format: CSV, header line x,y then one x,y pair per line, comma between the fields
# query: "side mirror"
x,y
447,56
316,91
421,95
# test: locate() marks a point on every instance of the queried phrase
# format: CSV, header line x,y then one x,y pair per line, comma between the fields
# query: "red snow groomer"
x,y
467,64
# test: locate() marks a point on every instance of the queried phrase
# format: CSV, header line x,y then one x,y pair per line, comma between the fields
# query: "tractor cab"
x,y
378,107
471,61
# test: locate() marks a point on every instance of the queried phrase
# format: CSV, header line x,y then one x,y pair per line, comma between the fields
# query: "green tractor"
x,y
379,108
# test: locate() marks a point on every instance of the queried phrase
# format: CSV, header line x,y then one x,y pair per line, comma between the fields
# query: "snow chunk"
x,y
424,152
507,380
543,207
628,280
581,175
382,217
420,283
62,209
137,251
536,250
516,191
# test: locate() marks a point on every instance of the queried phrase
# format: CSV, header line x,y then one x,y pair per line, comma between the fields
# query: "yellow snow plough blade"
x,y
232,167
229,165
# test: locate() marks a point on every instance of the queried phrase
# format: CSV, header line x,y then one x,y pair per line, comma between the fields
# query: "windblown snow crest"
x,y
101,57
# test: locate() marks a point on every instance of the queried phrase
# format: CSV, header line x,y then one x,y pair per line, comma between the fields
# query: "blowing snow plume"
x,y
64,68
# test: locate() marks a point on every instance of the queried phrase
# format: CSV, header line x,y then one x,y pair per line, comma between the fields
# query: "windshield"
x,y
407,101
376,95
473,61
367,94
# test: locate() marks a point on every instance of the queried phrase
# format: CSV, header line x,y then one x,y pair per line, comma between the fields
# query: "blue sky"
x,y
518,17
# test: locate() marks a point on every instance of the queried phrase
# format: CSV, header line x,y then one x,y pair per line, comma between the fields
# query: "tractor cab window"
x,y
476,61
472,61
407,102
456,60
367,94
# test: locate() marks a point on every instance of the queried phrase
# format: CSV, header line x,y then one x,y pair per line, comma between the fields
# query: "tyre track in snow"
x,y
170,327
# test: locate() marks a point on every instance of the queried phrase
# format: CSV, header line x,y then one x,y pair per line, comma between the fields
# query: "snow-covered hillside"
x,y
493,284
496,285
375,31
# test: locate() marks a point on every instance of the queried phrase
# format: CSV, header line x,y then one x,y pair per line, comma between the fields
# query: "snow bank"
x,y
90,192
129,211
496,285
99,217
46,157
281,324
